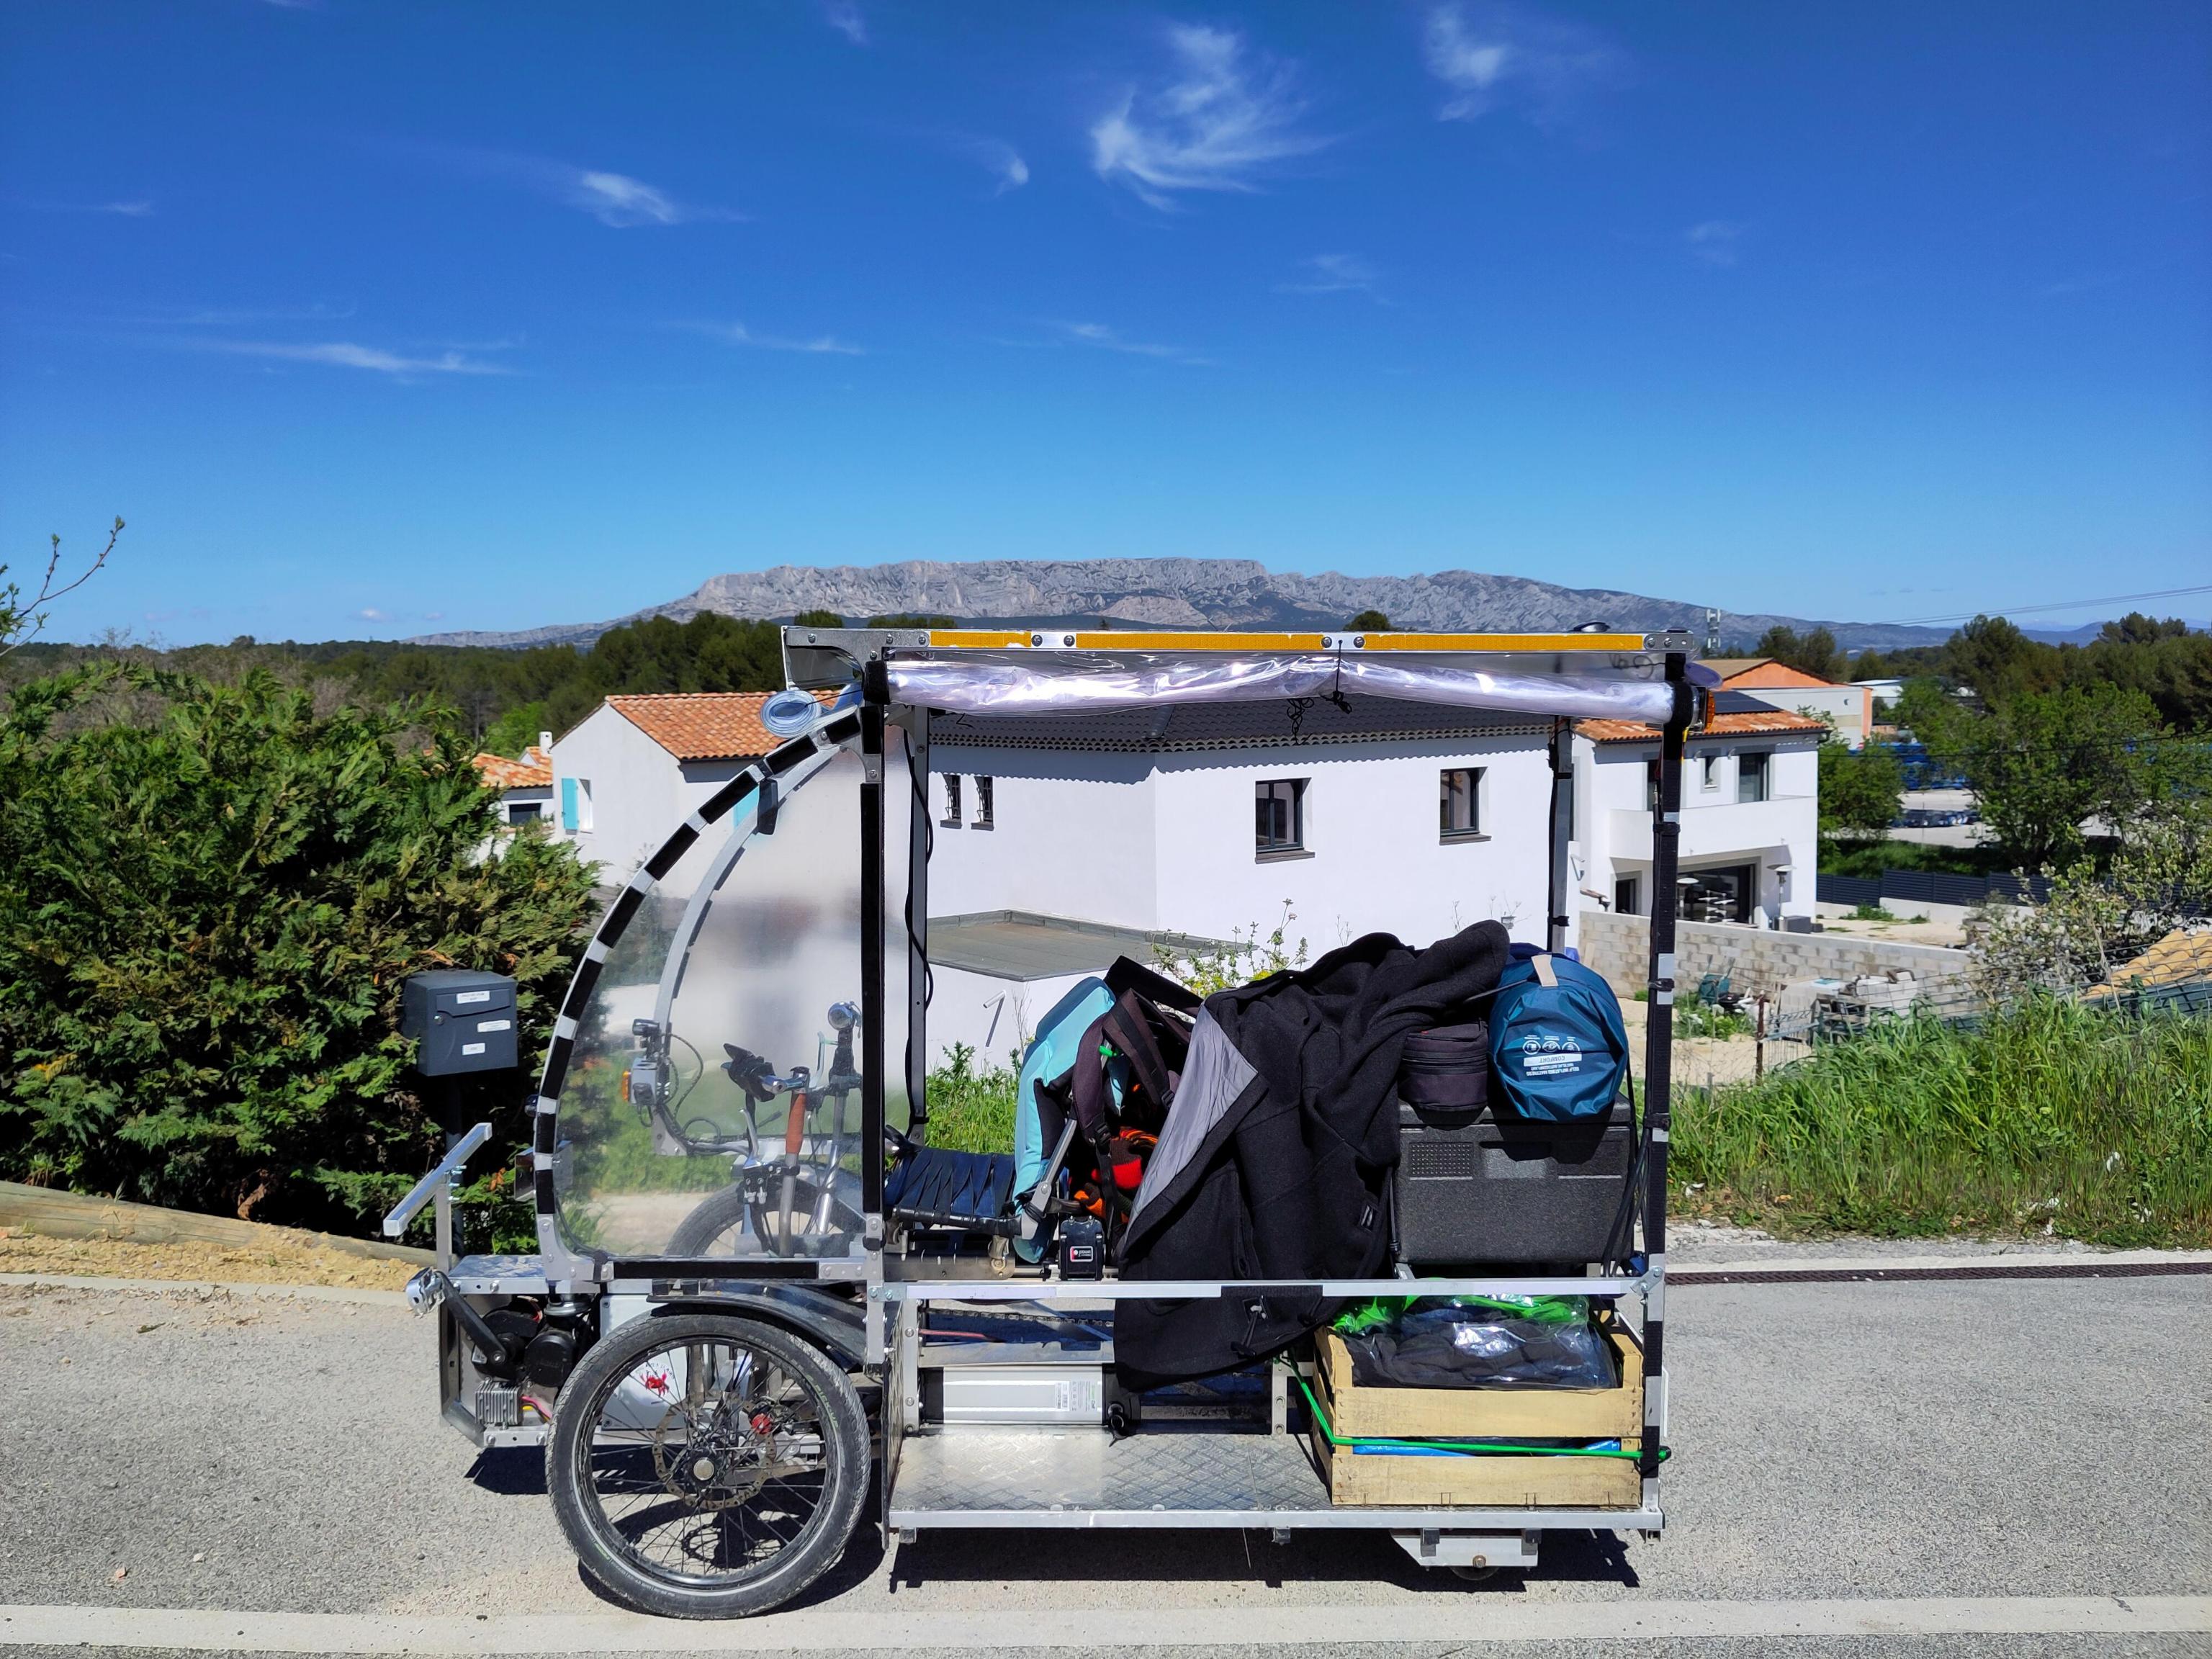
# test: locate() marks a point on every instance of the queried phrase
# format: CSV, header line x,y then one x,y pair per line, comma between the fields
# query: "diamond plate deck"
x,y
1042,1471
1172,1475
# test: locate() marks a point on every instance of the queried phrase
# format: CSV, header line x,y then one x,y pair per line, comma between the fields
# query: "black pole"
x,y
872,942
917,918
1659,1035
1563,824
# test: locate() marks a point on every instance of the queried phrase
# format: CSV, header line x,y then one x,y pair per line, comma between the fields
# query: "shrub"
x,y
2045,1117
1244,957
209,898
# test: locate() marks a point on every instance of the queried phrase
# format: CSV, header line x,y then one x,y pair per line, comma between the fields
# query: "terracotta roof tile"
x,y
2180,958
533,771
1743,724
697,725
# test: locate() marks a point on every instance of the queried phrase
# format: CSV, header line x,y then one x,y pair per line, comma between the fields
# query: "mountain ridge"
x,y
1183,592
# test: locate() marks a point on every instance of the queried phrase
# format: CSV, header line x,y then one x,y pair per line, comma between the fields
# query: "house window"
x,y
1709,773
1625,897
576,806
1281,817
985,789
1723,895
951,818
1751,775
1652,784
524,811
1459,802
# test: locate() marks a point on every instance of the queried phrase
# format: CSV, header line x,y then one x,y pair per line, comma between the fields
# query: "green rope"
x,y
1474,1448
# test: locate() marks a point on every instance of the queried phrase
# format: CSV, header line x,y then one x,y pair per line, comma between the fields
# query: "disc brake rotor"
x,y
721,1466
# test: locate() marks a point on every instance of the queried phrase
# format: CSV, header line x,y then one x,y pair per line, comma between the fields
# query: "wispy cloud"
x,y
1224,116
245,316
612,199
1498,54
1004,162
1102,338
738,334
135,208
370,613
617,200
1334,273
344,354
1716,241
844,16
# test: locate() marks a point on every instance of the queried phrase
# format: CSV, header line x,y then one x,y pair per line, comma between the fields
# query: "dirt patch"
x,y
219,1264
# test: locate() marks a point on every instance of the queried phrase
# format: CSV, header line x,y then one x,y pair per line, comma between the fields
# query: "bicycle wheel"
x,y
707,1466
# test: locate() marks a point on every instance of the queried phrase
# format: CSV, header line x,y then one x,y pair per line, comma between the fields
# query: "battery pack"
x,y
1007,1394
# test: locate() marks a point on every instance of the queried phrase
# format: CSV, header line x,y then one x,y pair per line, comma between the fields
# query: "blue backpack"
x,y
1558,1050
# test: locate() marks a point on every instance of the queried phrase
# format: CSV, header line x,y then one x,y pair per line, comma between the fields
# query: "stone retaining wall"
x,y
1620,947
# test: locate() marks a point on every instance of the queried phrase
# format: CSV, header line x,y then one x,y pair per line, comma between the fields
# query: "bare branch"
x,y
21,622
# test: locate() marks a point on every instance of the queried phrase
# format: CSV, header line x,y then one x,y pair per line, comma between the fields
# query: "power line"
x,y
2024,609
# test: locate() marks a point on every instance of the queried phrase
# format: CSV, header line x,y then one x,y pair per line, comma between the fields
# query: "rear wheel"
x,y
706,1467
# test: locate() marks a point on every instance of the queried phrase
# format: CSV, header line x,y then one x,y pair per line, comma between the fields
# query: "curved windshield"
x,y
713,1104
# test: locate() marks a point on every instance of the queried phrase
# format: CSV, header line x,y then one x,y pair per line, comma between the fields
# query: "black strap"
x,y
1128,976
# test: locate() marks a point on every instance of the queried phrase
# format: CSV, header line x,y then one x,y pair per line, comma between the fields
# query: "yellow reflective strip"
x,y
1503,642
1130,640
984,639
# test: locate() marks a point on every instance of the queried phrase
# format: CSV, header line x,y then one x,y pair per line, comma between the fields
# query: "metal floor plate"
x,y
1165,1476
1087,1470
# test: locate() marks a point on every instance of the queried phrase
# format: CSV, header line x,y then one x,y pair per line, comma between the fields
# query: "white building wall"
x,y
640,793
636,792
1849,706
1780,835
1072,834
1374,859
994,1017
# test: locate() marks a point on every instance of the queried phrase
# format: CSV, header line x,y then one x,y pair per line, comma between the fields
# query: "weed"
x,y
972,1109
2047,1117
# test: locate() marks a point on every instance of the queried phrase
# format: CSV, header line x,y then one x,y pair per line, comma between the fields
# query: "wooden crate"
x,y
1593,1483
1483,1413
1503,1480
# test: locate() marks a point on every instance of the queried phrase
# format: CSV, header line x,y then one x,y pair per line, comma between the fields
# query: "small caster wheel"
x,y
1473,1575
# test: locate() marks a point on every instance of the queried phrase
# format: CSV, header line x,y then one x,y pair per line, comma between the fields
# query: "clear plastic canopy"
x,y
713,1107
1045,683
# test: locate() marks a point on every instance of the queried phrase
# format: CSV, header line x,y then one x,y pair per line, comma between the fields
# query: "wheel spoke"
x,y
730,1475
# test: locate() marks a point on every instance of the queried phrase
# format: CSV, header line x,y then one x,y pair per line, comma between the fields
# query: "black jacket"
x,y
1276,1157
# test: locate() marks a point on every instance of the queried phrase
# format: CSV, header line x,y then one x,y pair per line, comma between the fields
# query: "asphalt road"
x,y
2023,1464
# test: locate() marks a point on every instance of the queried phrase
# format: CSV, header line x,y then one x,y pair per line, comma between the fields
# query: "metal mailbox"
x,y
463,1021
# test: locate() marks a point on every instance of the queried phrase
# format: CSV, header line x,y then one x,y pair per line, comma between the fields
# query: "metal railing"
x,y
440,1185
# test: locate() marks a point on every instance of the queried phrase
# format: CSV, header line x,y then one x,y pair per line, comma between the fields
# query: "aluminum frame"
x,y
889,1299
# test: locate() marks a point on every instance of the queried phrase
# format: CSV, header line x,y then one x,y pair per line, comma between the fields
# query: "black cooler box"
x,y
1473,1186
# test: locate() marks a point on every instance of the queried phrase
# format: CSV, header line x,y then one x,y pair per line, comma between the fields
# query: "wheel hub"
x,y
714,1468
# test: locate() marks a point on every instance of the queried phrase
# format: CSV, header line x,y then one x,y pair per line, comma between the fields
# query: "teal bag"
x,y
1558,1050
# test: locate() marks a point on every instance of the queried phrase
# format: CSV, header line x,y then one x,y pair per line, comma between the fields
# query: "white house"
x,y
1777,685
1059,845
1750,839
626,774
525,786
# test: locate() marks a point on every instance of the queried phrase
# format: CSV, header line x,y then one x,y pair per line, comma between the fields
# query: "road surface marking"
x,y
1444,1619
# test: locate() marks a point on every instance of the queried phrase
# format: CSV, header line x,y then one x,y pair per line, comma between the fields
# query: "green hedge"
x,y
208,897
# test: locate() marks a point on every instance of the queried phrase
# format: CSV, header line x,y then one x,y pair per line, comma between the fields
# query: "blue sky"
x,y
377,318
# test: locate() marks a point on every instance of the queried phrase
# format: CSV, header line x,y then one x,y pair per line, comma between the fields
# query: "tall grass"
x,y
971,1109
2047,1119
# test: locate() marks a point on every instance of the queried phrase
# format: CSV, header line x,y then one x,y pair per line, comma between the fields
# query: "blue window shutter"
x,y
568,805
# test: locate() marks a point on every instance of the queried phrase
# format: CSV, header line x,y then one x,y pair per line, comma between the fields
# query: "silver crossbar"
x,y
447,1171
